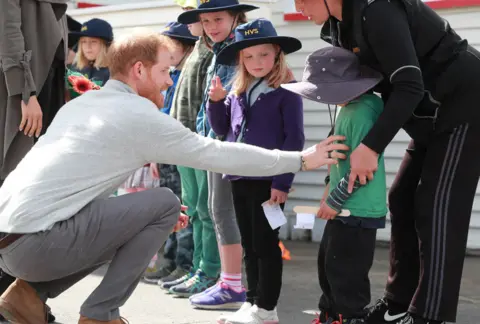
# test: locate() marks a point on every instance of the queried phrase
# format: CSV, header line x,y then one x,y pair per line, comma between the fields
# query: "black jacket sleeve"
x,y
387,31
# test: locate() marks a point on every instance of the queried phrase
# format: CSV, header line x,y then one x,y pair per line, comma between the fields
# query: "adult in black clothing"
x,y
431,90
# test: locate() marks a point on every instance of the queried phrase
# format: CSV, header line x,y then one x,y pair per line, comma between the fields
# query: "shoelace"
x,y
193,280
378,305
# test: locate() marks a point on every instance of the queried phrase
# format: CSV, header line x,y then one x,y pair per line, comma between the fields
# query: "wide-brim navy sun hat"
x,y
257,32
179,32
95,27
205,6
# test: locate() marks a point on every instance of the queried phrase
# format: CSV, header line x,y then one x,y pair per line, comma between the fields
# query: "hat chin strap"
x,y
333,27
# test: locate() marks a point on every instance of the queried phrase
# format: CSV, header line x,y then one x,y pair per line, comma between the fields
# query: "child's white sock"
x,y
234,281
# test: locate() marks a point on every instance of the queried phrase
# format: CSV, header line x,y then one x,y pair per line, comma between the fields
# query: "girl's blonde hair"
x,y
101,61
280,73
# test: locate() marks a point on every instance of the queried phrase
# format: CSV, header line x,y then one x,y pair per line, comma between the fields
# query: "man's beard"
x,y
152,93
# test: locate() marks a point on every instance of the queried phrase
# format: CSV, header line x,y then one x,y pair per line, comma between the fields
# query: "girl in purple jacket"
x,y
258,112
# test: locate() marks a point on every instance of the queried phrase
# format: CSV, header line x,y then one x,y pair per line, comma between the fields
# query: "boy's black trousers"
x,y
345,257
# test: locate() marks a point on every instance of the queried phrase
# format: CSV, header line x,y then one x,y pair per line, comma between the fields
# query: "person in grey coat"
x,y
33,49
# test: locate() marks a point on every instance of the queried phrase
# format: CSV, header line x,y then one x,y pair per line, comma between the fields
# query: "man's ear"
x,y
138,70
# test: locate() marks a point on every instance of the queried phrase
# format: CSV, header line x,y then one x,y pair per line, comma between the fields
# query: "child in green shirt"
x,y
334,76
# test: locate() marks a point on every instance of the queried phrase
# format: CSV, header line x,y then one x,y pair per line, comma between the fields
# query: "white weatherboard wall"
x,y
308,185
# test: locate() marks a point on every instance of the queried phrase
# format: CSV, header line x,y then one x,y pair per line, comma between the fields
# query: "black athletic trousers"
x,y
431,200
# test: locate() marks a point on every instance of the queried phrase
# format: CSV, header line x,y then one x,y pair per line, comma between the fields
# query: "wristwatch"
x,y
304,164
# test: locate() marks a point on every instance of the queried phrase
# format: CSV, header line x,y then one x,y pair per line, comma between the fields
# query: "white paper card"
x,y
305,221
274,214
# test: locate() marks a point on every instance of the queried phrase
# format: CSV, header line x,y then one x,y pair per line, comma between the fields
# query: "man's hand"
x,y
217,92
154,171
325,212
31,123
324,153
182,220
363,163
277,197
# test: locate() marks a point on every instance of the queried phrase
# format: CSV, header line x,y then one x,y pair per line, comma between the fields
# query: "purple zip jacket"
x,y
274,121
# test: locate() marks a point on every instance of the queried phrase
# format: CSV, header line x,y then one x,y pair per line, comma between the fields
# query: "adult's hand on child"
x,y
182,220
326,212
32,115
217,92
324,153
277,197
363,163
154,171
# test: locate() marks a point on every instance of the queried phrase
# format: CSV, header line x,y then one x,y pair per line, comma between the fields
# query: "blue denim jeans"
x,y
178,251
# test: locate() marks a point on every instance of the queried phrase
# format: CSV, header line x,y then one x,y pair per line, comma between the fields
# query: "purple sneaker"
x,y
222,297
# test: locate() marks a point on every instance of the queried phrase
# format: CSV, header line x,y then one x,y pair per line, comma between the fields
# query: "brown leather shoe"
x,y
85,320
20,304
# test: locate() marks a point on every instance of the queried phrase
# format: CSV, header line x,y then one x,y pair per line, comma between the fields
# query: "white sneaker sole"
x,y
226,306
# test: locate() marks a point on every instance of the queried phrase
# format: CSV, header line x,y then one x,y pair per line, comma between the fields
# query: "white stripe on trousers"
x,y
440,220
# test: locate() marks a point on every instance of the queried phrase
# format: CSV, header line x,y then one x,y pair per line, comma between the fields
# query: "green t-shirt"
x,y
354,122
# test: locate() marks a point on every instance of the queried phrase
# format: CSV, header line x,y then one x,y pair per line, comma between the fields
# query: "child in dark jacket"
x,y
258,112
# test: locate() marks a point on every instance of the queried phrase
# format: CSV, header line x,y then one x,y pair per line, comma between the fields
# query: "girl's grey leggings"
x,y
220,207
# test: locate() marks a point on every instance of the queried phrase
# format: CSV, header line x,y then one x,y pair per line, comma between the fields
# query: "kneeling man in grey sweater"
x,y
57,222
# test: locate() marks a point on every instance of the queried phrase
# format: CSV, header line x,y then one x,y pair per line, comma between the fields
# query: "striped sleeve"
x,y
337,198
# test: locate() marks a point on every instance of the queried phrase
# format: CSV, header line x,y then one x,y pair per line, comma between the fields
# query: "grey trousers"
x,y
220,207
125,231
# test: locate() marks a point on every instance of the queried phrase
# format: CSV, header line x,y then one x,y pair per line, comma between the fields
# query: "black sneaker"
x,y
155,276
174,276
380,314
409,319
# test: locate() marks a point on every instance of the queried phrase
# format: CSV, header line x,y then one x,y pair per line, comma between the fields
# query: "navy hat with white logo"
x,y
204,6
179,32
95,27
257,32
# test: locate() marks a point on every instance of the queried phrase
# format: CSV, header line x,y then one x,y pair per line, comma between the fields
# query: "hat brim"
x,y
192,16
182,39
75,36
334,93
228,56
